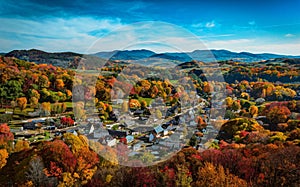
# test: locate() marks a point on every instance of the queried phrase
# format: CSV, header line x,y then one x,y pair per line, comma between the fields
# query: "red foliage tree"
x,y
67,121
278,114
5,135
59,153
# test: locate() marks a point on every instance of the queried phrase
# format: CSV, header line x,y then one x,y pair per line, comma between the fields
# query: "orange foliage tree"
x,y
278,114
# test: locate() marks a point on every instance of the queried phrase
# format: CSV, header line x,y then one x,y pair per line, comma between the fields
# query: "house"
x,y
166,132
193,123
137,146
112,142
158,129
100,133
171,143
89,128
50,127
129,123
29,126
129,138
138,112
142,129
117,101
116,133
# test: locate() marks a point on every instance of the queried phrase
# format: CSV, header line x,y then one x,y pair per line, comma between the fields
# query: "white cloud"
x,y
282,48
54,34
156,36
197,25
88,35
210,24
251,22
224,43
256,46
289,35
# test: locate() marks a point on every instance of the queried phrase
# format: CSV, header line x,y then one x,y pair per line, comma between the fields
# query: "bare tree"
x,y
36,174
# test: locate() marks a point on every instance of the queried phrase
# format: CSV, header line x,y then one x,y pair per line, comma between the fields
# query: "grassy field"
x,y
17,110
148,100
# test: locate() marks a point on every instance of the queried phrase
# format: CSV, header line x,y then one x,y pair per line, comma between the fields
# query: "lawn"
x,y
69,104
148,100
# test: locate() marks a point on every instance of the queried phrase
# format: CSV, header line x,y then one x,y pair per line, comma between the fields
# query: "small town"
x,y
140,93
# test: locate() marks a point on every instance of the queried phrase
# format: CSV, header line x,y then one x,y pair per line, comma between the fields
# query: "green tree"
x,y
14,89
3,95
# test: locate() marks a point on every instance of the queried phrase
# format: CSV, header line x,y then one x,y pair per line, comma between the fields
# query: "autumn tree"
x,y
67,121
134,103
59,84
278,114
236,106
57,157
6,137
229,102
183,176
245,95
201,124
206,87
46,108
211,175
143,104
33,102
20,145
22,103
3,157
44,81
253,110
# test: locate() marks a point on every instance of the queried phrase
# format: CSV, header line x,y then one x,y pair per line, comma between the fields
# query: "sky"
x,y
258,26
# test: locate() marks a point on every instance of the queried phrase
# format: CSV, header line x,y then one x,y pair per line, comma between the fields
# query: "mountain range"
x,y
63,59
199,55
146,57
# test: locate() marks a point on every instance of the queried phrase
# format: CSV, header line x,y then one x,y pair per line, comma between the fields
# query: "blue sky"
x,y
60,25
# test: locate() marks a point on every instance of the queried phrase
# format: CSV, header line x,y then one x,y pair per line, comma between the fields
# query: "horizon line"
x,y
155,51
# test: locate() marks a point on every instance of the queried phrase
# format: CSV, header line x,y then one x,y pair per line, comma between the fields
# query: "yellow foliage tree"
x,y
210,176
229,102
21,145
253,110
74,142
22,103
59,83
3,157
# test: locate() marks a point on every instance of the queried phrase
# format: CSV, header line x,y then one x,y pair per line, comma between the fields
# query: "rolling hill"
x,y
146,57
63,59
200,55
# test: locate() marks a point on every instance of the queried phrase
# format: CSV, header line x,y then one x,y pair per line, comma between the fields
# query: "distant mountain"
x,y
63,59
182,57
200,55
126,55
283,61
105,55
146,57
220,55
